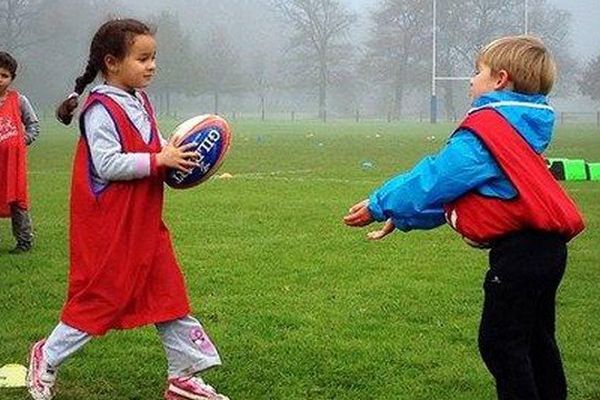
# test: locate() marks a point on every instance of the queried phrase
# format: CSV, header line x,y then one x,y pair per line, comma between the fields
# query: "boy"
x,y
491,185
19,127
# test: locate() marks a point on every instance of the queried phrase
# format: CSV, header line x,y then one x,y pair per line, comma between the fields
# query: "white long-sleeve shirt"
x,y
108,161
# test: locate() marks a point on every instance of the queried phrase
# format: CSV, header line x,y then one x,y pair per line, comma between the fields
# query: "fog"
x,y
328,59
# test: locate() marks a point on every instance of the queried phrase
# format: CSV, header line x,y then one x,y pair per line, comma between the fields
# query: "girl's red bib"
x,y
123,271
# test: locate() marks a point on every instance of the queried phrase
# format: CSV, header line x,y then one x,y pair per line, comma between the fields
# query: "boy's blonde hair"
x,y
529,64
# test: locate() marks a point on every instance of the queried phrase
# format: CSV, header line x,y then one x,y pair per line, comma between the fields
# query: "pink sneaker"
x,y
40,378
191,388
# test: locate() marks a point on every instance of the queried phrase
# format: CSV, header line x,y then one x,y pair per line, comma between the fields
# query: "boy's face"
x,y
5,80
485,80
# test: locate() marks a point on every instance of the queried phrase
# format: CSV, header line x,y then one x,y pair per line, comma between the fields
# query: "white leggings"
x,y
189,349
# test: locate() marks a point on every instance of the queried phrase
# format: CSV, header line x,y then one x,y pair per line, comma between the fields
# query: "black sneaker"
x,y
21,248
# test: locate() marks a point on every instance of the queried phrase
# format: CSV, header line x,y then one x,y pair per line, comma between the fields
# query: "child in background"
x,y
19,127
123,271
491,184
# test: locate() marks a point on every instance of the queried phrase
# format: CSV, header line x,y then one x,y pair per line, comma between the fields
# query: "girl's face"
x,y
5,80
137,69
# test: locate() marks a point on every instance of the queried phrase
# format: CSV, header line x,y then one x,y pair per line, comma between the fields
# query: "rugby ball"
x,y
211,136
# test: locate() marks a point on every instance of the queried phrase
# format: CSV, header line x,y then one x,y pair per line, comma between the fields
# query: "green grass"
x,y
300,306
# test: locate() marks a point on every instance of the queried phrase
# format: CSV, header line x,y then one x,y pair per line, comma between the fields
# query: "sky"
x,y
585,23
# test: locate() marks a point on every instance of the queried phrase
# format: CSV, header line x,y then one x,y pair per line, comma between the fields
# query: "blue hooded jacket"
x,y
415,199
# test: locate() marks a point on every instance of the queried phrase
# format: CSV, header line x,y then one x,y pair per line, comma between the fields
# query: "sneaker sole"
x,y
174,396
180,394
30,379
30,385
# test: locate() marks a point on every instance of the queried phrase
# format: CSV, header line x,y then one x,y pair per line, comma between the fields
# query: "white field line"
x,y
274,173
275,176
308,179
280,176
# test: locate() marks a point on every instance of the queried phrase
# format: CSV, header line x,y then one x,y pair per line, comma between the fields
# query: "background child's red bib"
x,y
13,156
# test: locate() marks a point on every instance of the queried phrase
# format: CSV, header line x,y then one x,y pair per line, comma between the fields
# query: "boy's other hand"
x,y
359,215
387,228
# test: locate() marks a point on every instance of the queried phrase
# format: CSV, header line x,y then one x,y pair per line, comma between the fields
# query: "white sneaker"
x,y
191,388
40,377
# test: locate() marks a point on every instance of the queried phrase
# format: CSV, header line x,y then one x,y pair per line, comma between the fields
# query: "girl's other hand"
x,y
178,157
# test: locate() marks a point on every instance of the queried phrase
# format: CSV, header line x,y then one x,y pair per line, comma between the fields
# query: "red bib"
x,y
123,271
540,204
13,156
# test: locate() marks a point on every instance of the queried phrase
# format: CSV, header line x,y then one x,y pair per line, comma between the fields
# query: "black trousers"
x,y
517,333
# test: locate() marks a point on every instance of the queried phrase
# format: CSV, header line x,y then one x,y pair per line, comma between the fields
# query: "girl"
x,y
123,272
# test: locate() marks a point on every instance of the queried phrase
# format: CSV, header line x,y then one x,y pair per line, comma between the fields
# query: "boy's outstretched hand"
x,y
359,215
387,228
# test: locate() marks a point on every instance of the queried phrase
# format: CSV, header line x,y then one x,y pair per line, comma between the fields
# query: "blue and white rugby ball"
x,y
212,137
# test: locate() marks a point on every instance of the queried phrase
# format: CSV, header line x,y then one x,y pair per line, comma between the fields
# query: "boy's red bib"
x,y
13,156
540,204
123,271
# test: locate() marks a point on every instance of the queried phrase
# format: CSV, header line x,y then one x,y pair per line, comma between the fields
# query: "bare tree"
x,y
396,55
467,25
318,47
17,18
50,64
261,80
589,84
177,70
219,65
553,25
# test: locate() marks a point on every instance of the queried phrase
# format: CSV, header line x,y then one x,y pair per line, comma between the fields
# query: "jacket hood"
x,y
530,115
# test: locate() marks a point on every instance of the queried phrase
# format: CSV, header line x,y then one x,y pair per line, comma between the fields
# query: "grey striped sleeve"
x,y
109,162
29,119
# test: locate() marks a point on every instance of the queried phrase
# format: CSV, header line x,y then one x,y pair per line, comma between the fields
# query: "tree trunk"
x,y
323,91
160,102
449,102
168,101
262,108
322,100
398,97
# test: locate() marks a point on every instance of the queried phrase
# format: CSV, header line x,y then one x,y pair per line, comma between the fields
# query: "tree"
x,y
553,26
589,84
178,71
17,17
49,66
396,55
462,34
317,47
261,80
219,64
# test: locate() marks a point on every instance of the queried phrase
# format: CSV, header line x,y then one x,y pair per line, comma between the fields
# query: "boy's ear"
x,y
502,80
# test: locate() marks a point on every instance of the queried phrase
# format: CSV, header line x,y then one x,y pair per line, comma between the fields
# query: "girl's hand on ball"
x,y
359,215
178,157
387,228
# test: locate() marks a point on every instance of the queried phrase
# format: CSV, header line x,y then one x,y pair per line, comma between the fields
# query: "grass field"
x,y
300,306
